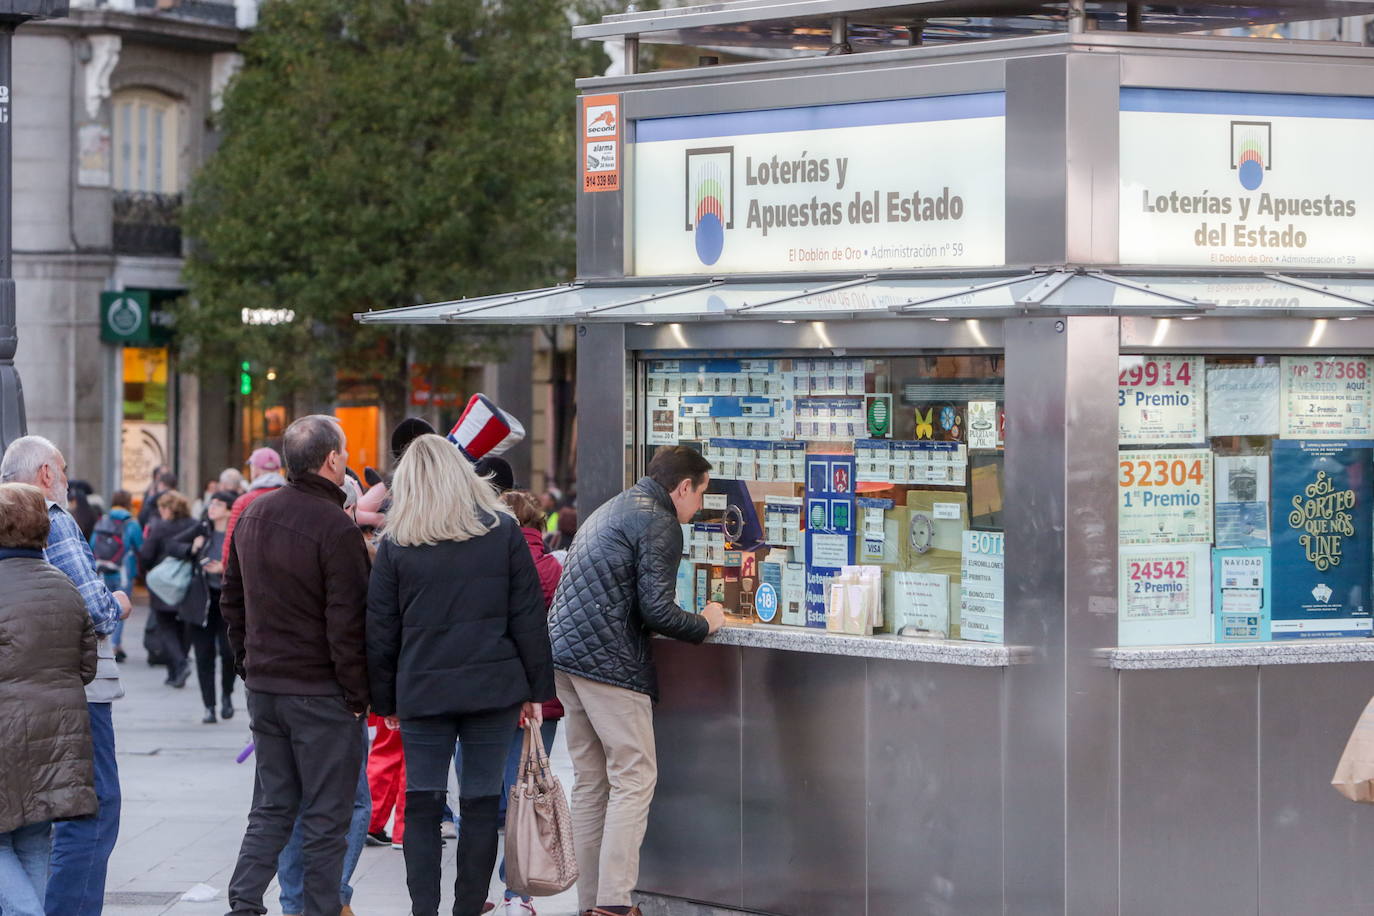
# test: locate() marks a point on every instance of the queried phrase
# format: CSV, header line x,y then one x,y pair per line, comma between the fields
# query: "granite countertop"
x,y
900,648
1287,652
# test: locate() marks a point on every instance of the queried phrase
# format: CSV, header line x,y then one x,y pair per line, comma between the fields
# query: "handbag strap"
x,y
529,756
537,770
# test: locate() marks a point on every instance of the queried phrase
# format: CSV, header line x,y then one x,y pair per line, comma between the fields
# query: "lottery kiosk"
x,y
1034,356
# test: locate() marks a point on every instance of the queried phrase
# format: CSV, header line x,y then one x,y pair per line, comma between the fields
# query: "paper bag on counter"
x,y
857,615
871,578
1355,772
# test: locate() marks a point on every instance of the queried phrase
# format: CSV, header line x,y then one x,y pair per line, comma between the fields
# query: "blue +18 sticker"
x,y
766,603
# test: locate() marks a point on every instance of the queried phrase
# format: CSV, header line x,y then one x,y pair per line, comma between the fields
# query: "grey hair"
x,y
25,457
308,442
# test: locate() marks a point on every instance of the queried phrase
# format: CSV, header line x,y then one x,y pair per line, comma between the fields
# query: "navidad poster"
x,y
1321,539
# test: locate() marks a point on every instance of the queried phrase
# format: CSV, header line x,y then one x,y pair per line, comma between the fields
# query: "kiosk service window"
x,y
1246,487
852,494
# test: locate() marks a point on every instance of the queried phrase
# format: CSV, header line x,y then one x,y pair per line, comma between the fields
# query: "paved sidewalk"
x,y
186,805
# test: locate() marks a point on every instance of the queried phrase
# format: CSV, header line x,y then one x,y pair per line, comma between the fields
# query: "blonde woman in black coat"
x,y
457,648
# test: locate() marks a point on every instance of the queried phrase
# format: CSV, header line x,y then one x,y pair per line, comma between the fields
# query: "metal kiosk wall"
x,y
1111,754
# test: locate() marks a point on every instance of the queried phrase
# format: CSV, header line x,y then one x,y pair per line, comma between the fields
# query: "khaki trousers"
x,y
610,732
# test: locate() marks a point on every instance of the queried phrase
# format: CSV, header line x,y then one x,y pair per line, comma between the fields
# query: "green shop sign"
x,y
135,317
126,317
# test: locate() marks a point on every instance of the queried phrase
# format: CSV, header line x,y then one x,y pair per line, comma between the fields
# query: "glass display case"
x,y
1245,498
851,494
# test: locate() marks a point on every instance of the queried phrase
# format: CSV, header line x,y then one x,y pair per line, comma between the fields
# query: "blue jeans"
x,y
547,730
291,862
24,869
81,849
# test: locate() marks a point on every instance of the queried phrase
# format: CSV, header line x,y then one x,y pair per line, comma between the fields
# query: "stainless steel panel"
x,y
1036,162
601,391
804,782
1035,522
934,790
601,233
888,79
1241,335
1091,199
1060,572
1189,799
1233,73
1314,845
1091,419
789,68
1218,46
602,228
890,335
693,845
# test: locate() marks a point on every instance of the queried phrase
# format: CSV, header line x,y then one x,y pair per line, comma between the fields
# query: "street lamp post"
x,y
13,13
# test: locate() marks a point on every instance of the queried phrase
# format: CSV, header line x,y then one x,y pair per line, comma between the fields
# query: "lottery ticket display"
x,y
824,464
1246,498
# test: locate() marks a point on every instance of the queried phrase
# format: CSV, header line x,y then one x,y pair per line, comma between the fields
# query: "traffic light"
x,y
245,379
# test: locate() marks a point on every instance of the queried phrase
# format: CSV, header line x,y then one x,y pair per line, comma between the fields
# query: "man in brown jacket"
x,y
295,591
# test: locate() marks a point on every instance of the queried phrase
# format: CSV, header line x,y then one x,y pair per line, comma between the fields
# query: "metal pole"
x,y
839,37
12,424
631,54
1077,16
12,14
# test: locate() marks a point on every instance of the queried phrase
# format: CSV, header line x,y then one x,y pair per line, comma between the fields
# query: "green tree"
x,y
380,153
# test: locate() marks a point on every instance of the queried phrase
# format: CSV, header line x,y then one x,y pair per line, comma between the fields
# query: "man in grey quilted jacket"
x,y
618,589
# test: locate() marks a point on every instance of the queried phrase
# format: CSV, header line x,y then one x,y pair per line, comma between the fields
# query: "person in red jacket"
x,y
524,505
264,469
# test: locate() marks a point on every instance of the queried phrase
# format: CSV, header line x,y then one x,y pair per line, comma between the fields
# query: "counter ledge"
x,y
901,648
1295,652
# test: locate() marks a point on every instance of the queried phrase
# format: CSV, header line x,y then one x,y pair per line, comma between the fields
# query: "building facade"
x,y
115,119
114,116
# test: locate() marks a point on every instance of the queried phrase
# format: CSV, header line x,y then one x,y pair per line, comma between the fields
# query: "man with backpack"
x,y
115,543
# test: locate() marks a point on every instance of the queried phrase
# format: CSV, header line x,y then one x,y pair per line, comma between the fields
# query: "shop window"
x,y
1245,488
144,431
857,495
146,131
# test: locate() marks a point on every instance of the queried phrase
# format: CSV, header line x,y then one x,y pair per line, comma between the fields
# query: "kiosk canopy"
x,y
678,299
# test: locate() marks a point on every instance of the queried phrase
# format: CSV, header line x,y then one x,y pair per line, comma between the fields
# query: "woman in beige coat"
x,y
47,655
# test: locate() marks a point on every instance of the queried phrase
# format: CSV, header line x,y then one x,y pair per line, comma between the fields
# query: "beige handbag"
x,y
539,838
1355,772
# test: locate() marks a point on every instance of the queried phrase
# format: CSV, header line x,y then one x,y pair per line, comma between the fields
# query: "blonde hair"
x,y
437,496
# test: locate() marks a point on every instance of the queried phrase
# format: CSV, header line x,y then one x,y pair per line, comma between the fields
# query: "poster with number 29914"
x,y
1160,400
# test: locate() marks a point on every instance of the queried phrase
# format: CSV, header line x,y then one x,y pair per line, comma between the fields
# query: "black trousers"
x,y
171,641
308,756
209,640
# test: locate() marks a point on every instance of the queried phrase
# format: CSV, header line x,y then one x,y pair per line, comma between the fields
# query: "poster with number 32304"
x,y
1165,496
